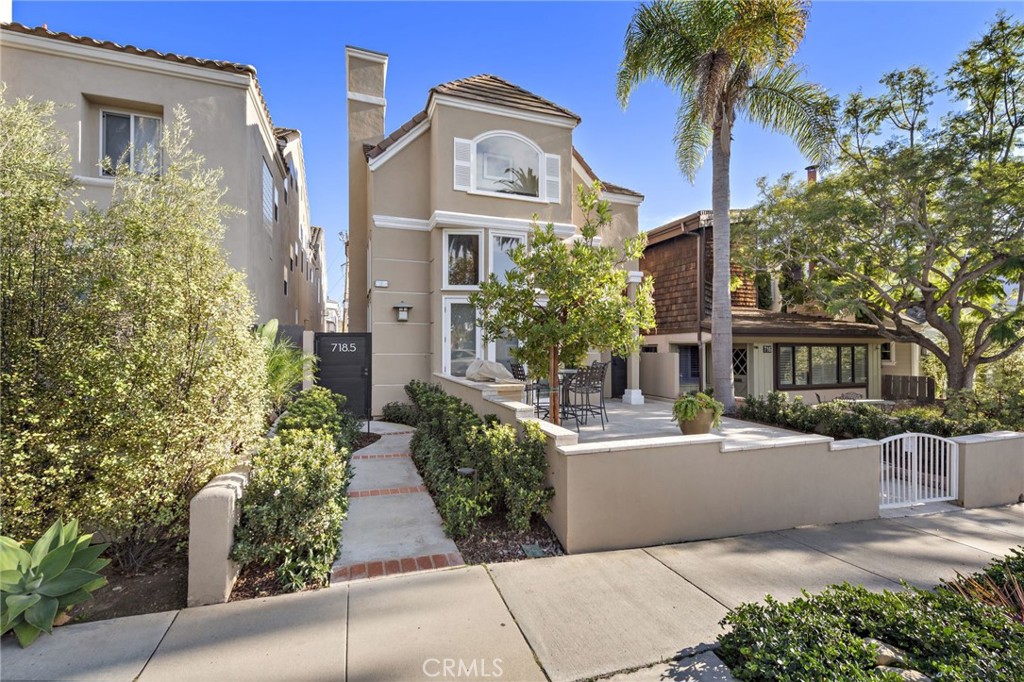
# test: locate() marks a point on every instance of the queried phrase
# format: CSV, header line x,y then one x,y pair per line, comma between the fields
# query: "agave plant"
x,y
57,571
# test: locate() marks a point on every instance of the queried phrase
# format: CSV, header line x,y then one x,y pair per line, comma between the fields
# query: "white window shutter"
x,y
463,164
553,178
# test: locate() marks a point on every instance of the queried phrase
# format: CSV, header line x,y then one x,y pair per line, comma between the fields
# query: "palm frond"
x,y
767,31
779,100
692,138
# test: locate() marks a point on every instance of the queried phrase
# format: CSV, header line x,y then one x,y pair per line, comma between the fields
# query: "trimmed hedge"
x,y
294,505
945,635
509,472
846,420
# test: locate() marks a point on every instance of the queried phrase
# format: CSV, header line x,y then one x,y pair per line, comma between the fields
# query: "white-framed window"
x,y
506,164
269,212
500,350
463,259
888,353
462,339
129,138
501,243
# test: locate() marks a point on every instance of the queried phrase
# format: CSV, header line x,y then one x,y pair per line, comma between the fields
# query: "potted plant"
x,y
696,413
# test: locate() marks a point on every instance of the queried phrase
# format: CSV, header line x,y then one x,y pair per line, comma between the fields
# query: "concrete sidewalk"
x,y
640,615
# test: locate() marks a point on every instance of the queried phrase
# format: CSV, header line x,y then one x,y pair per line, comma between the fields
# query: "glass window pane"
x,y
501,246
464,348
785,365
846,364
860,364
507,165
823,365
801,366
463,259
146,151
268,195
503,351
116,137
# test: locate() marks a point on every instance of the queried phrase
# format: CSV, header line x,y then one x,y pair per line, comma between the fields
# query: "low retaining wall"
x,y
213,515
991,468
648,491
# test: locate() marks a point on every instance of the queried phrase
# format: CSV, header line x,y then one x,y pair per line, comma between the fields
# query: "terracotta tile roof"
x,y
753,322
373,151
493,90
230,67
609,187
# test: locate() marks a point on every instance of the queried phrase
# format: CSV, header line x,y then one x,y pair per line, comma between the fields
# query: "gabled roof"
x,y
498,91
608,187
216,64
373,151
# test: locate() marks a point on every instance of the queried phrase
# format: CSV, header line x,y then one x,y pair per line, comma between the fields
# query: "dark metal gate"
x,y
344,368
618,376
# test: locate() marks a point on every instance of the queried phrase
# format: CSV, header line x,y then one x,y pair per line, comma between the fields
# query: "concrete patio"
x,y
654,419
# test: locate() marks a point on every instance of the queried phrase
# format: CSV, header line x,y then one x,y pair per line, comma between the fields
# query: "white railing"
x,y
917,468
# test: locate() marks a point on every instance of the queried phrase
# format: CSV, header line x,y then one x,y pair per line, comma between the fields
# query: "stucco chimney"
x,y
812,174
365,73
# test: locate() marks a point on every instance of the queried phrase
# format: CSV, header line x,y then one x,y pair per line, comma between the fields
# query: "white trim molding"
x,y
454,219
399,223
617,198
497,110
107,182
407,139
368,99
634,277
367,55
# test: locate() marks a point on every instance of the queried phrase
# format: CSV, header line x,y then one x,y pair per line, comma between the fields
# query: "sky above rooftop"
x,y
567,52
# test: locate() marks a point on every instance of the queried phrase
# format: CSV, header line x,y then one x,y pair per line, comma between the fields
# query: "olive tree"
x,y
564,298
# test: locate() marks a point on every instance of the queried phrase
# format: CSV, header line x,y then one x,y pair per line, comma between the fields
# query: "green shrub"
x,y
37,582
293,508
129,376
508,473
401,413
286,365
945,635
319,409
687,407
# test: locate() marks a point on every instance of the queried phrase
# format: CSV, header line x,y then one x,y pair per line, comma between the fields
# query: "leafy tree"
x,y
725,58
128,372
562,300
919,224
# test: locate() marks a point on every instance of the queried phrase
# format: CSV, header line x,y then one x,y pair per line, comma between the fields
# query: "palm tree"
x,y
725,58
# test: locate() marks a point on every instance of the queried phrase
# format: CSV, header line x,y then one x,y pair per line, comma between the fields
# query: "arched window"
x,y
506,163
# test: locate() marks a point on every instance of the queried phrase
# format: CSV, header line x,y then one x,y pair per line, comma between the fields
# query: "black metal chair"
x,y
602,376
585,383
519,374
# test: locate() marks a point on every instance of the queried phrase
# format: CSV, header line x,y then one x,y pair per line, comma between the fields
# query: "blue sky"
x,y
567,52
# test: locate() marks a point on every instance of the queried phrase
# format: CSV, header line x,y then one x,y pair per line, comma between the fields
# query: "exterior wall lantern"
x,y
402,311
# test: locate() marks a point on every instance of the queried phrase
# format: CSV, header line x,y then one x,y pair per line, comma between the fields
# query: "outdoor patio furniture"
x,y
602,372
587,383
519,373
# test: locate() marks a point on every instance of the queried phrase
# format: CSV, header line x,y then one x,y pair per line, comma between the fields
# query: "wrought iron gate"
x,y
917,468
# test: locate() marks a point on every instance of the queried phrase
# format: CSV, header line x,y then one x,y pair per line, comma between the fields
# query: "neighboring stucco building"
x,y
121,98
798,353
435,206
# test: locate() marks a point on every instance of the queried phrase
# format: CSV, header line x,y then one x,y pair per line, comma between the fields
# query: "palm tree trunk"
x,y
721,299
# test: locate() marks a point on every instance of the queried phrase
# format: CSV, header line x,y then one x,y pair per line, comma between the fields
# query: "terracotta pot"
x,y
699,424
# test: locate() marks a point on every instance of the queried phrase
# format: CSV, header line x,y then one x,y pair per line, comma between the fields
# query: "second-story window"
x,y
130,139
269,207
462,259
503,163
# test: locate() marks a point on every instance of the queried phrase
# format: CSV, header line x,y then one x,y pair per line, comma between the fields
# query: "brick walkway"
x,y
392,525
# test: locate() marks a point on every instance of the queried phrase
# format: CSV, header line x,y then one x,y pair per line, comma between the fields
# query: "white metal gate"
x,y
917,468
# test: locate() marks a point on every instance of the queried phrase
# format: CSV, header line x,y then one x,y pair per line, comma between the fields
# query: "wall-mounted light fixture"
x,y
402,311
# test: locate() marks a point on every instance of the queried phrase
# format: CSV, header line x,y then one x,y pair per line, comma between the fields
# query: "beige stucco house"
x,y
799,352
119,98
435,205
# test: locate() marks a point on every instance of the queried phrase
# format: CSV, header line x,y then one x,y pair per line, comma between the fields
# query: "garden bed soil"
x,y
492,542
254,582
162,586
365,439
